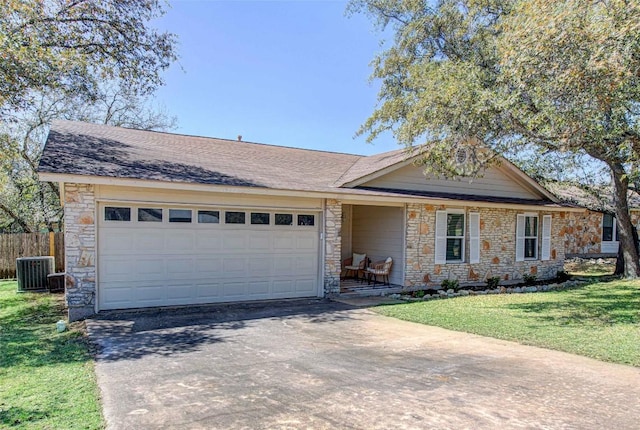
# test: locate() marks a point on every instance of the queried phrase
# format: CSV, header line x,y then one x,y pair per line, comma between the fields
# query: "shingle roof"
x,y
99,150
365,166
78,148
596,198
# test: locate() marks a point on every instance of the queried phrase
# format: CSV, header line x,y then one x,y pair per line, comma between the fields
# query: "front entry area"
x,y
153,255
377,231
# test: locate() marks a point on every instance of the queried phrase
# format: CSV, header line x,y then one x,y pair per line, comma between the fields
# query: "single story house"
x,y
592,232
159,219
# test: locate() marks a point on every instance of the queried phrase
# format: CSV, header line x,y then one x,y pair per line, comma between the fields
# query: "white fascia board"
x,y
346,195
527,180
510,169
379,173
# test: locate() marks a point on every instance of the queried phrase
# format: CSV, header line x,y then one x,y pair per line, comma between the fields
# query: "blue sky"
x,y
292,73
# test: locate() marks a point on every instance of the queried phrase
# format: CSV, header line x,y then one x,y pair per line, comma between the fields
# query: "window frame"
x,y
104,214
229,212
152,221
207,213
462,238
177,220
535,237
299,219
614,229
253,218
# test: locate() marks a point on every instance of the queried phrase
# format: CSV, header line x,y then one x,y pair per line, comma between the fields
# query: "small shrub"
x,y
493,282
529,279
419,294
562,276
450,284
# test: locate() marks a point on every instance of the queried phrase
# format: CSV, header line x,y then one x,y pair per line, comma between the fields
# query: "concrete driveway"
x,y
326,365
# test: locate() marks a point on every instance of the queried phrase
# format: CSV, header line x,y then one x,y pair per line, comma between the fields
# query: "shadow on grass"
x,y
136,334
28,336
14,416
587,307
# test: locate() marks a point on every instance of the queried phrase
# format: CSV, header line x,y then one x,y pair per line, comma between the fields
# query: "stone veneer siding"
x,y
333,246
497,248
583,232
80,249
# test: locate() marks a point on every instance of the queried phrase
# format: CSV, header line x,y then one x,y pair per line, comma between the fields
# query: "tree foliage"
x,y
88,60
26,203
558,78
71,46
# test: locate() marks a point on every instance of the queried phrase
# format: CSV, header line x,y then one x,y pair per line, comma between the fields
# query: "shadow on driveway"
x,y
134,334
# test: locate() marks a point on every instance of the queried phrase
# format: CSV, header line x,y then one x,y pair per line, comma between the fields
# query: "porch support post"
x,y
80,253
333,244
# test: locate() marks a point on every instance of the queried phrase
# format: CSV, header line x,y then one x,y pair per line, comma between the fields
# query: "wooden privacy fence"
x,y
16,245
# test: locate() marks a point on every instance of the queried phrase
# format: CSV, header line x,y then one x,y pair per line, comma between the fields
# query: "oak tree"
x,y
71,46
509,76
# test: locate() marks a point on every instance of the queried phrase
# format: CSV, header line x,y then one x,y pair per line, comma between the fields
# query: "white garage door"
x,y
160,256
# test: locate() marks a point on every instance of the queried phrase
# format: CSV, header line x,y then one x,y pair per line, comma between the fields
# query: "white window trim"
x,y
474,237
614,231
609,246
521,238
441,236
545,250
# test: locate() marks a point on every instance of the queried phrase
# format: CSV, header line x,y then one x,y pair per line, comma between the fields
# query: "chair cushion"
x,y
357,259
377,271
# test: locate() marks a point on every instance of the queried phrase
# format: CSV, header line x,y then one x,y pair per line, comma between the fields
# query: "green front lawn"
x,y
47,379
600,320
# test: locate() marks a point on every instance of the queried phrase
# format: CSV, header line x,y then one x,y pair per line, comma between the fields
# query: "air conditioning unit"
x,y
32,272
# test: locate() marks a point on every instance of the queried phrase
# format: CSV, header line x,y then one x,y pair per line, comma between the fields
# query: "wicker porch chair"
x,y
379,268
354,265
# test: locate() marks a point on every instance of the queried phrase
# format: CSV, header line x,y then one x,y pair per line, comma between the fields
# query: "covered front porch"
x,y
379,233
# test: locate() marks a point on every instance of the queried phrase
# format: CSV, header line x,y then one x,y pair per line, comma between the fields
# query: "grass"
x,y
591,268
47,380
599,320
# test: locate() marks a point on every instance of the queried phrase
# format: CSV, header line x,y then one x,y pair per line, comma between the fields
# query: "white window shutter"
x,y
520,238
474,237
546,238
441,237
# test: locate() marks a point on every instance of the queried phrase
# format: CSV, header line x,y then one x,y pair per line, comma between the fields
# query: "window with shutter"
x,y
450,236
474,237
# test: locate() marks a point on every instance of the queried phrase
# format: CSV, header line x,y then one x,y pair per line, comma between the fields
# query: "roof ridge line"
x,y
209,138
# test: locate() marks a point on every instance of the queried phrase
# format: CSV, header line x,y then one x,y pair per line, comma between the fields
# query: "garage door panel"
x,y
260,266
281,286
182,268
179,241
150,269
283,241
175,292
305,285
260,288
208,241
208,266
167,264
306,244
208,291
234,242
260,241
235,266
304,265
148,241
283,264
116,241
117,269
234,290
117,295
153,294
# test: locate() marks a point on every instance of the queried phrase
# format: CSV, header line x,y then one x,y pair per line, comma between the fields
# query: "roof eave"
x,y
346,195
